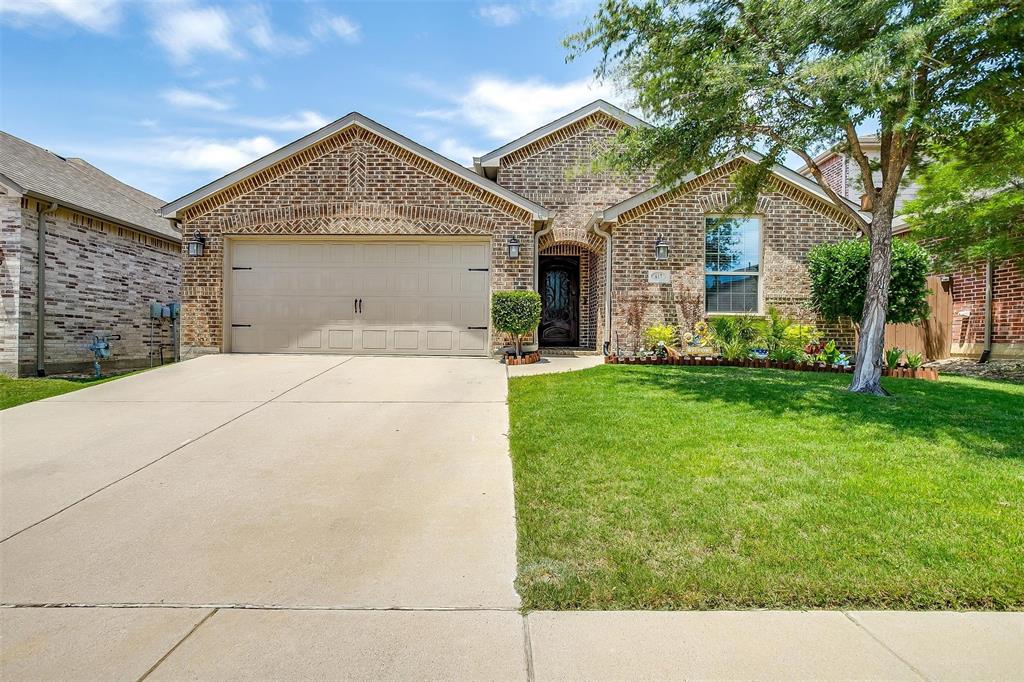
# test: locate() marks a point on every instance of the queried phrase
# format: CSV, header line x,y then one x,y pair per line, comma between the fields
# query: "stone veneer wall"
x,y
790,227
100,277
353,183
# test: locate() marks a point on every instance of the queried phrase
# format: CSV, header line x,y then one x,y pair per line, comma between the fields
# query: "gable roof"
x,y
612,213
173,209
493,159
80,186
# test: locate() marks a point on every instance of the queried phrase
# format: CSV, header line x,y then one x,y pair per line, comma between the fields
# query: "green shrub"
x,y
786,353
734,348
661,334
516,313
771,332
914,360
892,357
839,278
799,336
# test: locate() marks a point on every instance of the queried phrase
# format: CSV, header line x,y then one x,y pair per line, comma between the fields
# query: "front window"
x,y
732,264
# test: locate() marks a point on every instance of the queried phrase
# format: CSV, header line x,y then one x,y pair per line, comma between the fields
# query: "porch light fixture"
x,y
196,245
660,249
513,248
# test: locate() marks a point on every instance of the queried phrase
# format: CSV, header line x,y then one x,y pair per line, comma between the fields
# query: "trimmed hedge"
x,y
839,280
516,313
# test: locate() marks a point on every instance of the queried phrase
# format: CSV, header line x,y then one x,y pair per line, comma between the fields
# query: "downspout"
x,y
607,285
41,287
989,285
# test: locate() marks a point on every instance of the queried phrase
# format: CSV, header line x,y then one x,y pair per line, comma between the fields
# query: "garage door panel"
x,y
414,297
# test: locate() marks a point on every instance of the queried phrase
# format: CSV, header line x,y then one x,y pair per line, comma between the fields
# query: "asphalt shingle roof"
x,y
80,185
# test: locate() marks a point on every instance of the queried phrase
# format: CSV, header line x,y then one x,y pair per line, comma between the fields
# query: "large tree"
x,y
800,76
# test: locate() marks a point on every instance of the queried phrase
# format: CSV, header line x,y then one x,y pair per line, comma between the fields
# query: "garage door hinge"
x,y
238,268
479,269
241,325
476,327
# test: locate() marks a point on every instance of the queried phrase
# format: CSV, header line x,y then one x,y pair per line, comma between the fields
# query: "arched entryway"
x,y
570,282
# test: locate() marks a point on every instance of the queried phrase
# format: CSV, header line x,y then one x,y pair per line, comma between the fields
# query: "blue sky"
x,y
169,95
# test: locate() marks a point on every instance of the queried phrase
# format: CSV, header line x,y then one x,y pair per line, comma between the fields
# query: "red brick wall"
x,y
790,227
557,173
968,290
352,183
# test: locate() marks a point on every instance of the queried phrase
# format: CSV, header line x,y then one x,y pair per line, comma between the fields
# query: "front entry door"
x,y
560,297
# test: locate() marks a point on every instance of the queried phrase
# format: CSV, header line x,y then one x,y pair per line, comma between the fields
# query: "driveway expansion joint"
x,y
178,644
168,453
885,646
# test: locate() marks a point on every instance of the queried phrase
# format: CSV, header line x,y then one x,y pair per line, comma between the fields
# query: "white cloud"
x,y
326,26
189,99
457,151
179,154
258,82
221,156
303,121
499,15
185,31
262,34
504,109
95,15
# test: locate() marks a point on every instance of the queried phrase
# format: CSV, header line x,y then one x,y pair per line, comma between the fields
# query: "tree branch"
x,y
839,202
857,152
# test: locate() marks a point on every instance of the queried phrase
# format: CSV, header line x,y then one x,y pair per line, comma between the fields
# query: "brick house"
x,y
958,297
107,255
357,239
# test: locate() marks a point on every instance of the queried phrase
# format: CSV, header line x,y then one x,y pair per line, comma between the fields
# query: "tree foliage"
x,y
839,275
516,313
970,205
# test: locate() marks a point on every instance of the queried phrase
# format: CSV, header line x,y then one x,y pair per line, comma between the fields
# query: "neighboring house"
x,y
355,239
108,254
957,325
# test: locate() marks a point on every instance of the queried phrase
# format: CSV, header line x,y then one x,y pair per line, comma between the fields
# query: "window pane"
x,y
732,244
730,293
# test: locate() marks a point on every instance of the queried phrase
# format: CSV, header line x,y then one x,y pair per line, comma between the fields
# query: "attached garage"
x,y
390,295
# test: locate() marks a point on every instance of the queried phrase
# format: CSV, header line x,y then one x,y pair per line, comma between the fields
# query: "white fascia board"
x,y
171,209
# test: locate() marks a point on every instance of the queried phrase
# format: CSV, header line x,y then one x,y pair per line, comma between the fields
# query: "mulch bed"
x,y
904,372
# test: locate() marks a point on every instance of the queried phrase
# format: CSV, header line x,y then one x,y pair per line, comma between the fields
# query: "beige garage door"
x,y
389,297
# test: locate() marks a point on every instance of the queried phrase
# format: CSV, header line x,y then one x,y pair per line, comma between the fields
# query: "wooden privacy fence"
x,y
929,337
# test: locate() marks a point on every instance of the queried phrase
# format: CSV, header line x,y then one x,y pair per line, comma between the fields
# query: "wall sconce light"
x,y
196,245
660,250
513,248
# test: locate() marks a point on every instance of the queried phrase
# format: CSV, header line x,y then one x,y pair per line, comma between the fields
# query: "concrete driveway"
x,y
263,497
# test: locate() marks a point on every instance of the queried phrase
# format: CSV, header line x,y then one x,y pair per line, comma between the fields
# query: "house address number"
x,y
659,277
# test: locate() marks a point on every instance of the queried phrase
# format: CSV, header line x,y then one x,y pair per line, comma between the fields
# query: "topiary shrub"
x,y
839,280
516,313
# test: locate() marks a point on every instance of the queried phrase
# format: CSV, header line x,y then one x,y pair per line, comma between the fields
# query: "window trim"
x,y
760,218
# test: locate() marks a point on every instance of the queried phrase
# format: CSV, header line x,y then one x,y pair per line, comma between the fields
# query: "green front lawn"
x,y
718,487
19,391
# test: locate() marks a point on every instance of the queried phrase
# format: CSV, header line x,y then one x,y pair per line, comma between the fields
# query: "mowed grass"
x,y
718,487
20,391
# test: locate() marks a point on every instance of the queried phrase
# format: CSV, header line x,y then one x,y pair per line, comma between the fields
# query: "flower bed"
x,y
527,359
906,373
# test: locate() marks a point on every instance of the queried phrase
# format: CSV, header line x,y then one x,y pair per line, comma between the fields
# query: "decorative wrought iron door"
x,y
560,297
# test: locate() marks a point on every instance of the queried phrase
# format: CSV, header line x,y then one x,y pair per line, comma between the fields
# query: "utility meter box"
x,y
175,310
155,309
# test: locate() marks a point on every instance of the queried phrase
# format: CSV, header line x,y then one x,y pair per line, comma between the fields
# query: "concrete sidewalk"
x,y
196,642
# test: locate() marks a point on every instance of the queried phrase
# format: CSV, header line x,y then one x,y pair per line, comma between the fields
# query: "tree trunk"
x,y
867,375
